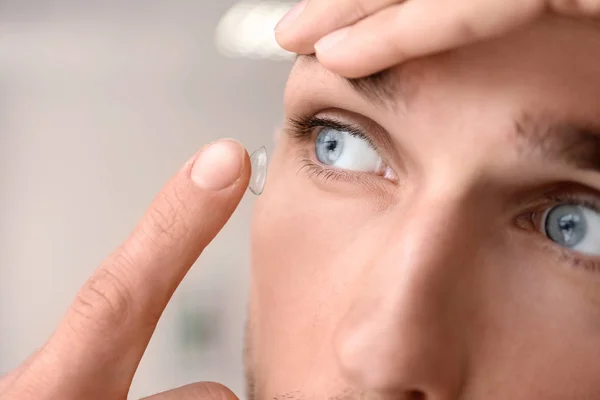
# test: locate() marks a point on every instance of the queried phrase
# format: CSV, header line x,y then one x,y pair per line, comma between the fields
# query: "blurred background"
x,y
101,101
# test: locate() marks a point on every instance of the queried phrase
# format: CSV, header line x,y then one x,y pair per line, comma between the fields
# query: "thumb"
x,y
196,391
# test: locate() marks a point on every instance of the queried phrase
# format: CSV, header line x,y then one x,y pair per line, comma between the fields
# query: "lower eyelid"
x,y
578,261
316,171
561,254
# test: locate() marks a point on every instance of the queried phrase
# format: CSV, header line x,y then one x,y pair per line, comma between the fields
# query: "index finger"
x,y
108,326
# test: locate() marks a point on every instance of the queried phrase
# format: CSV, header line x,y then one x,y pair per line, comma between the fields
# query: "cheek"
x,y
303,242
535,324
305,248
304,237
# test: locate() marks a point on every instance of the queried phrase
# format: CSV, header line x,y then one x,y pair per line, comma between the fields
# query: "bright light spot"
x,y
247,30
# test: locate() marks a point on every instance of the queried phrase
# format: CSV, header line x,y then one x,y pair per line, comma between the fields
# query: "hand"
x,y
355,38
96,349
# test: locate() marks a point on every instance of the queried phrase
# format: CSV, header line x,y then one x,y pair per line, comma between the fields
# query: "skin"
x,y
440,285
431,287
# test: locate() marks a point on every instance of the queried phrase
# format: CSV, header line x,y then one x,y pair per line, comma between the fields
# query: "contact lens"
x,y
259,162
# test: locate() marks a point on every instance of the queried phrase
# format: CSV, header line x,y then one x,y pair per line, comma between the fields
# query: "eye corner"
x,y
526,221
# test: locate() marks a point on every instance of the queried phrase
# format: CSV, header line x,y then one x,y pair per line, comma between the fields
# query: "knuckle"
x,y
161,219
165,222
104,302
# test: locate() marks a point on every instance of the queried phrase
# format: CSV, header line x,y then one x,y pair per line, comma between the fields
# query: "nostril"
x,y
416,395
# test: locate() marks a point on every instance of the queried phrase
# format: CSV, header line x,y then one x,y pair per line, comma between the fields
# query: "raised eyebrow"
x,y
379,88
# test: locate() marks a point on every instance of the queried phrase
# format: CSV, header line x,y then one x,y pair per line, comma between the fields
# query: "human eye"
x,y
570,221
340,150
344,150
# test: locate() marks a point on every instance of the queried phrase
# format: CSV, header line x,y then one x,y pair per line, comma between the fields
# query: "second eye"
x,y
573,226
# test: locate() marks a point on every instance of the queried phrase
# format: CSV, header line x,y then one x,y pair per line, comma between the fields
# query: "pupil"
x,y
331,145
567,225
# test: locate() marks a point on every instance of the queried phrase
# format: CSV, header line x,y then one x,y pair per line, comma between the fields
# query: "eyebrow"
x,y
380,88
573,144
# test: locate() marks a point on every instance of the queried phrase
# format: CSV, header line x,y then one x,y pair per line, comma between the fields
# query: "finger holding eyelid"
x,y
418,28
309,21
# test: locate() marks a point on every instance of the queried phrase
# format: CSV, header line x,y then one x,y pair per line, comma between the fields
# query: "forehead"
x,y
554,61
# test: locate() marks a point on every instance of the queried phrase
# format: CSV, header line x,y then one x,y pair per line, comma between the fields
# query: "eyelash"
x,y
304,130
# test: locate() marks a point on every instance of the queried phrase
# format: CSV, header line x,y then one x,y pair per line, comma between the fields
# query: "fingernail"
x,y
291,16
331,40
218,165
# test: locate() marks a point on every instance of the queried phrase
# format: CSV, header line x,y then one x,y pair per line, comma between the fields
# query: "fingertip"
x,y
332,40
339,53
219,165
346,65
354,54
295,42
289,19
287,29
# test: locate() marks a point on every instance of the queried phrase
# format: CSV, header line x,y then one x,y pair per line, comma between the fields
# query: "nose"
x,y
404,335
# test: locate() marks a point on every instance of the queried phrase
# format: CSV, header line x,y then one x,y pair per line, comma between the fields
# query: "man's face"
x,y
431,232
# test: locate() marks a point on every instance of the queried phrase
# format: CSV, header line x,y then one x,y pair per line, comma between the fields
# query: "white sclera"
x,y
259,162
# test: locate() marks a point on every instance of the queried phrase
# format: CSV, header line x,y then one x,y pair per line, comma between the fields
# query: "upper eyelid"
x,y
375,133
305,128
574,197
